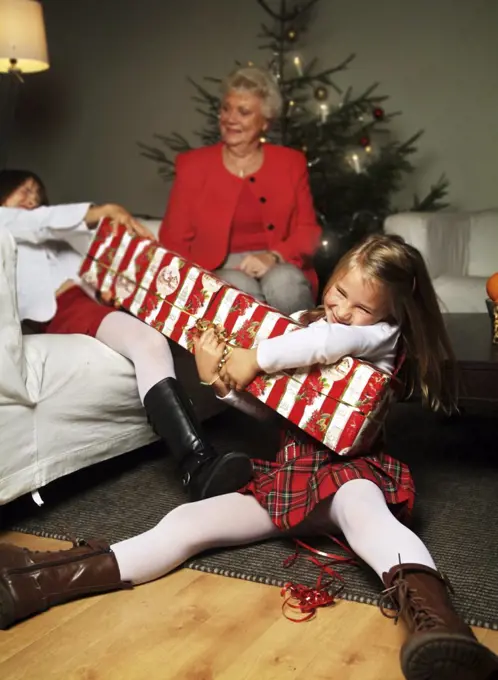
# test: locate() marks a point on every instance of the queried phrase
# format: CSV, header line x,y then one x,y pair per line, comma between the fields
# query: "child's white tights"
x,y
145,347
358,510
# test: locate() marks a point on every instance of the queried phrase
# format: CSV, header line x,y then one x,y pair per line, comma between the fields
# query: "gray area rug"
x,y
455,465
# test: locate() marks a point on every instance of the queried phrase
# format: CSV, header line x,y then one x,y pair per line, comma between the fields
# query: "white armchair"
x,y
460,249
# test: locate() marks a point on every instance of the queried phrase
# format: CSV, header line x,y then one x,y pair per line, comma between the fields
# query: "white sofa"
x,y
460,249
67,401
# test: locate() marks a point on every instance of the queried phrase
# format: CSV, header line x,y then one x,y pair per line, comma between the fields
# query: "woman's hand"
x,y
208,353
257,265
240,368
118,215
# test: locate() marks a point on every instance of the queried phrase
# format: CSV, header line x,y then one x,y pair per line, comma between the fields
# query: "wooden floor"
x,y
195,626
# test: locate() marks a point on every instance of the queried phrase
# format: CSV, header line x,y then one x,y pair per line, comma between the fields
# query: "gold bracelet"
x,y
208,384
226,353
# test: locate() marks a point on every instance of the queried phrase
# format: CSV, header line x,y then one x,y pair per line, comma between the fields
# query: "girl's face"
x,y
354,300
241,119
27,195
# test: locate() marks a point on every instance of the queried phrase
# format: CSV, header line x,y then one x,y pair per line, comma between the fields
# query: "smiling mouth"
x,y
336,320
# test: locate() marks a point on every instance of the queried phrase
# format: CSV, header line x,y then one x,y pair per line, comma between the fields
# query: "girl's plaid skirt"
x,y
305,473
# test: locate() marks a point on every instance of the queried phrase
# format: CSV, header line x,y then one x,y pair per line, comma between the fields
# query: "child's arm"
x,y
322,344
46,223
55,223
319,344
245,402
208,352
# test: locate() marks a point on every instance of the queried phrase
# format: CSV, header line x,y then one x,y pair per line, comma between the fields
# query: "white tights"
x,y
145,347
358,510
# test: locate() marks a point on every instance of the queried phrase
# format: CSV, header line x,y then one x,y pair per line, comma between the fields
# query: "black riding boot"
x,y
204,472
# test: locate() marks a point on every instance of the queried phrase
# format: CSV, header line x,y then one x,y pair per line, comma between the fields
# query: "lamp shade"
x,y
23,45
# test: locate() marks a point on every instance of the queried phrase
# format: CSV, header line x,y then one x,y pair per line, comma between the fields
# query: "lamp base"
x,y
15,71
10,84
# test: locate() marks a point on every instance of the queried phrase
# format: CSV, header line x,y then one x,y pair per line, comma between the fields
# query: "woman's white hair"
x,y
259,82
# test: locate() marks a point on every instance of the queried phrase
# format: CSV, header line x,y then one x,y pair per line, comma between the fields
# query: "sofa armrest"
x,y
12,364
442,238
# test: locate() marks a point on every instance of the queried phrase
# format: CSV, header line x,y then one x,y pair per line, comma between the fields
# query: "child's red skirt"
x,y
305,473
77,312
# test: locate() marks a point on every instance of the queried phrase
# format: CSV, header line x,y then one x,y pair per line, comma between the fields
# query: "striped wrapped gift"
x,y
341,405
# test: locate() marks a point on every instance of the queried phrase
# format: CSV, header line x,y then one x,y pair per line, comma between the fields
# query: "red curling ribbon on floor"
x,y
305,599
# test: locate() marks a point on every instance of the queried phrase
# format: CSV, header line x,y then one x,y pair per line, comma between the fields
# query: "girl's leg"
x,y
233,519
145,347
31,582
440,646
360,510
170,411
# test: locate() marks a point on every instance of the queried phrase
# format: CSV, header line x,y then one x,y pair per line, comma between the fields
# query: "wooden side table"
x,y
477,356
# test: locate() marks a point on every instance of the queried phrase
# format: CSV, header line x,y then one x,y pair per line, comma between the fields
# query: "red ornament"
x,y
365,141
379,113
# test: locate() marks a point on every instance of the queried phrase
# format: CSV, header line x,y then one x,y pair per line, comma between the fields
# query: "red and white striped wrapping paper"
x,y
342,405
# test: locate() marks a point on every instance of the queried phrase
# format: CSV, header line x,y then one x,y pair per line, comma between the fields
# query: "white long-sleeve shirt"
x,y
50,241
319,343
325,343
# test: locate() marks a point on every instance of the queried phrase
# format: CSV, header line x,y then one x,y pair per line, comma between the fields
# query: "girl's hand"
x,y
208,353
258,265
241,367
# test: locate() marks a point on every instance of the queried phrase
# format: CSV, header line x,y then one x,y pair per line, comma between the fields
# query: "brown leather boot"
x,y
32,581
440,646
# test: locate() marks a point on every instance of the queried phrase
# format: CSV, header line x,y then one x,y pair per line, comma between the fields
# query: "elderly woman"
x,y
243,208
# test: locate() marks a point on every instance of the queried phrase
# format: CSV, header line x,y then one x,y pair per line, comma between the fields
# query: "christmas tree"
x,y
355,168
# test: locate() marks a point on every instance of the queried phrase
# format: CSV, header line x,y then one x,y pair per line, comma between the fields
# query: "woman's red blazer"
x,y
204,196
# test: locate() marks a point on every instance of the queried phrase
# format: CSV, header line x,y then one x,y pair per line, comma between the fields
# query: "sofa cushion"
x,y
461,293
87,404
483,243
441,237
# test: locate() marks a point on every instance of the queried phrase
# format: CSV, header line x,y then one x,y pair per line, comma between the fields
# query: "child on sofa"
x,y
50,294
379,305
